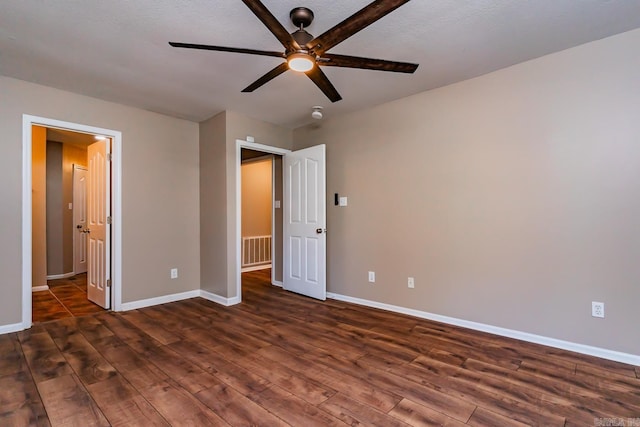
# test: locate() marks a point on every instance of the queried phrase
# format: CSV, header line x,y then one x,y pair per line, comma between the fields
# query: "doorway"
x,y
30,208
247,151
304,229
261,195
59,224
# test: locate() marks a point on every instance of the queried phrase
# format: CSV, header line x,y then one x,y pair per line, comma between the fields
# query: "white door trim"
x,y
240,144
116,180
77,267
273,220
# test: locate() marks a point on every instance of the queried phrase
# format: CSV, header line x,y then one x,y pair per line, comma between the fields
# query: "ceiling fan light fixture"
x,y
301,62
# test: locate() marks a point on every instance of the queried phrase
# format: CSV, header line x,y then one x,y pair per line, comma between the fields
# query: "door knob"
x,y
321,230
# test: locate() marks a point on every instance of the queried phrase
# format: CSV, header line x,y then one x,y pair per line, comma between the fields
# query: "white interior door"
x,y
79,219
305,239
98,211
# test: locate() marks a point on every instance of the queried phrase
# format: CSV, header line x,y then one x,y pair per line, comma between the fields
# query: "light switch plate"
x,y
276,204
343,201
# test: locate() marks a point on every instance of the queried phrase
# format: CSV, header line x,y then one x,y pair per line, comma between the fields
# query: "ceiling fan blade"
x,y
227,49
272,24
329,59
267,77
356,22
322,81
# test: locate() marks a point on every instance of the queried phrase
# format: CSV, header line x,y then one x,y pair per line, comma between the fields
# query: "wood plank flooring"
x,y
65,298
281,359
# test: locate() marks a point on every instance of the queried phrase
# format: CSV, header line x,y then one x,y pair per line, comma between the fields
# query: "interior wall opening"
x,y
261,213
60,168
66,148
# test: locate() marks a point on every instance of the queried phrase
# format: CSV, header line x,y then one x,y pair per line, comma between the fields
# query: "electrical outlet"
x,y
597,309
411,282
174,273
372,276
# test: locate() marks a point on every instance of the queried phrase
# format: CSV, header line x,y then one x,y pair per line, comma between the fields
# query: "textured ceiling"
x,y
117,50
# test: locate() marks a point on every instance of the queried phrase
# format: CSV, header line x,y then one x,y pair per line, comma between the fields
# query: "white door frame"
x,y
240,144
273,216
116,209
76,232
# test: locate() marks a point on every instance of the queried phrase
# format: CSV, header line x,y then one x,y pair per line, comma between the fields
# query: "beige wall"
x,y
213,208
160,215
54,210
511,198
39,205
218,137
256,197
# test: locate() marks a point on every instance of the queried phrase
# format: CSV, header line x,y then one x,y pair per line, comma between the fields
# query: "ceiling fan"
x,y
304,53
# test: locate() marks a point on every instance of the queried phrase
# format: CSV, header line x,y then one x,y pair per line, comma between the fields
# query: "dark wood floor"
x,y
65,298
283,359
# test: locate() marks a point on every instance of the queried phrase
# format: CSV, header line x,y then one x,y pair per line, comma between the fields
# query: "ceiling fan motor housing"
x,y
301,17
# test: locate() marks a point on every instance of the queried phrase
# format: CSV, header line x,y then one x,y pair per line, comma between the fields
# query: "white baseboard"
x,y
523,336
133,305
210,296
277,283
61,276
603,353
255,268
14,327
40,288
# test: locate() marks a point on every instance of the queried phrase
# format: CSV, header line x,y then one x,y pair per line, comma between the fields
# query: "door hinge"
x,y
109,220
109,157
108,283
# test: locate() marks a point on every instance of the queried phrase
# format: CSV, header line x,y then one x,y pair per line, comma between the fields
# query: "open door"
x,y
305,239
98,213
79,219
